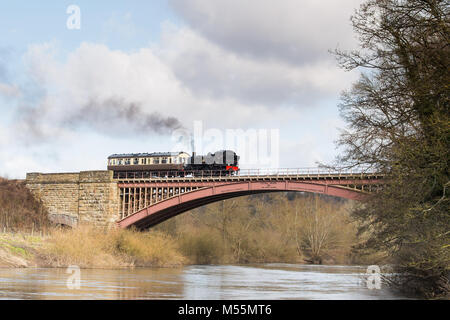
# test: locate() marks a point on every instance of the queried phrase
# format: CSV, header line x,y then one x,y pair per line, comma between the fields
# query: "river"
x,y
262,281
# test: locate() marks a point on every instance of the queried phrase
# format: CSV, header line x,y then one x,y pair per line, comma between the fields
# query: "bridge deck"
x,y
247,177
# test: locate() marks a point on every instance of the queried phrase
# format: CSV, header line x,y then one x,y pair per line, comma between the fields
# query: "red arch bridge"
x,y
147,201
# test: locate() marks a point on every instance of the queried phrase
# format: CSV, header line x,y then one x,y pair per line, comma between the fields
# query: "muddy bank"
x,y
9,260
19,250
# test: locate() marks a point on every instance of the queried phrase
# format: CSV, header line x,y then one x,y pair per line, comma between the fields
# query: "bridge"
x,y
147,201
109,199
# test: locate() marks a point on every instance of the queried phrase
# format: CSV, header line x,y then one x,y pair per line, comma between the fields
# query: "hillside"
x,y
19,210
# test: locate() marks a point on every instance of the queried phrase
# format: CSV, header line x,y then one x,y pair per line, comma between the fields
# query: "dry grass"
x,y
94,248
147,248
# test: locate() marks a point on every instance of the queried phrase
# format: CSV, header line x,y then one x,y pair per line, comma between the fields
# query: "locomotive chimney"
x,y
192,145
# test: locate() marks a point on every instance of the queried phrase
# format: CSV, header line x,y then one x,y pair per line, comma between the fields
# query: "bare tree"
x,y
398,123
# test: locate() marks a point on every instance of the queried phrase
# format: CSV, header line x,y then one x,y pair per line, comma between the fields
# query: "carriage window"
x,y
127,161
156,161
164,160
120,162
170,160
144,161
136,161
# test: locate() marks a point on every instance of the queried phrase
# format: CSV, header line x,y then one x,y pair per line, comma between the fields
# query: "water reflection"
x,y
267,281
95,284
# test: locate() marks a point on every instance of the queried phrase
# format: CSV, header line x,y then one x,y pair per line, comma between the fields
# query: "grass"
x,y
19,244
95,248
16,250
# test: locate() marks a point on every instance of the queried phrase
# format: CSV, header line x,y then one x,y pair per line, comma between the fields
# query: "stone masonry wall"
x,y
88,197
98,198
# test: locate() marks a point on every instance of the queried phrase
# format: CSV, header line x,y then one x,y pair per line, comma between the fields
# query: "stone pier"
x,y
87,197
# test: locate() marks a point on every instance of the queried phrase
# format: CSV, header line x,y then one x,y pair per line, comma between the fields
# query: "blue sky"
x,y
24,22
138,71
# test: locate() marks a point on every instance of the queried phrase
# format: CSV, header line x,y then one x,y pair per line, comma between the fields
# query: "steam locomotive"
x,y
173,164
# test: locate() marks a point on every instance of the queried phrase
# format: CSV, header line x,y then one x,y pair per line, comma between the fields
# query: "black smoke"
x,y
119,114
113,116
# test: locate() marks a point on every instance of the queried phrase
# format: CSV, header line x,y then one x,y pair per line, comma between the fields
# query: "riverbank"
x,y
93,248
17,250
282,228
89,248
258,229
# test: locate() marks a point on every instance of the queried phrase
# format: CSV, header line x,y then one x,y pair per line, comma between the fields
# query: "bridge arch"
x,y
173,206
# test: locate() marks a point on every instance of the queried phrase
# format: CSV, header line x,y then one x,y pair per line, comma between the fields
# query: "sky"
x,y
77,85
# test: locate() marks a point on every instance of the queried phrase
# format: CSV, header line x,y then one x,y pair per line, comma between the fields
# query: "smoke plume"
x,y
113,116
121,115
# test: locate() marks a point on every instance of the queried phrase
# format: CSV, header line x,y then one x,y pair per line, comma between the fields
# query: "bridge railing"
x,y
294,171
241,173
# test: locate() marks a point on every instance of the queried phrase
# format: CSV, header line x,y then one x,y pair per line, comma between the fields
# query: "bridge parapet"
x,y
243,175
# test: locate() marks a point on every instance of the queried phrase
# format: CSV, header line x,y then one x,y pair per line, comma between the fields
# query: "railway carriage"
x,y
173,164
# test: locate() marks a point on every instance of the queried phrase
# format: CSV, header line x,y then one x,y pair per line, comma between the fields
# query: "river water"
x,y
263,281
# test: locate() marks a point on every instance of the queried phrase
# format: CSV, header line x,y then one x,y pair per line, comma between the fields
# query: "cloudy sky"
x,y
136,72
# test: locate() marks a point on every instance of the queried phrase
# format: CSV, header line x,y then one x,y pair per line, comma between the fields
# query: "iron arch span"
x,y
171,207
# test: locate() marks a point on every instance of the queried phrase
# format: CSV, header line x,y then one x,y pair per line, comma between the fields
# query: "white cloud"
x,y
290,30
211,71
170,81
13,159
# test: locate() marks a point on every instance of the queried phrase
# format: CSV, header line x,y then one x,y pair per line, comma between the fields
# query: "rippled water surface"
x,y
265,281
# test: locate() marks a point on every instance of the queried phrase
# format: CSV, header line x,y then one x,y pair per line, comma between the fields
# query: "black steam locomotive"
x,y
173,164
